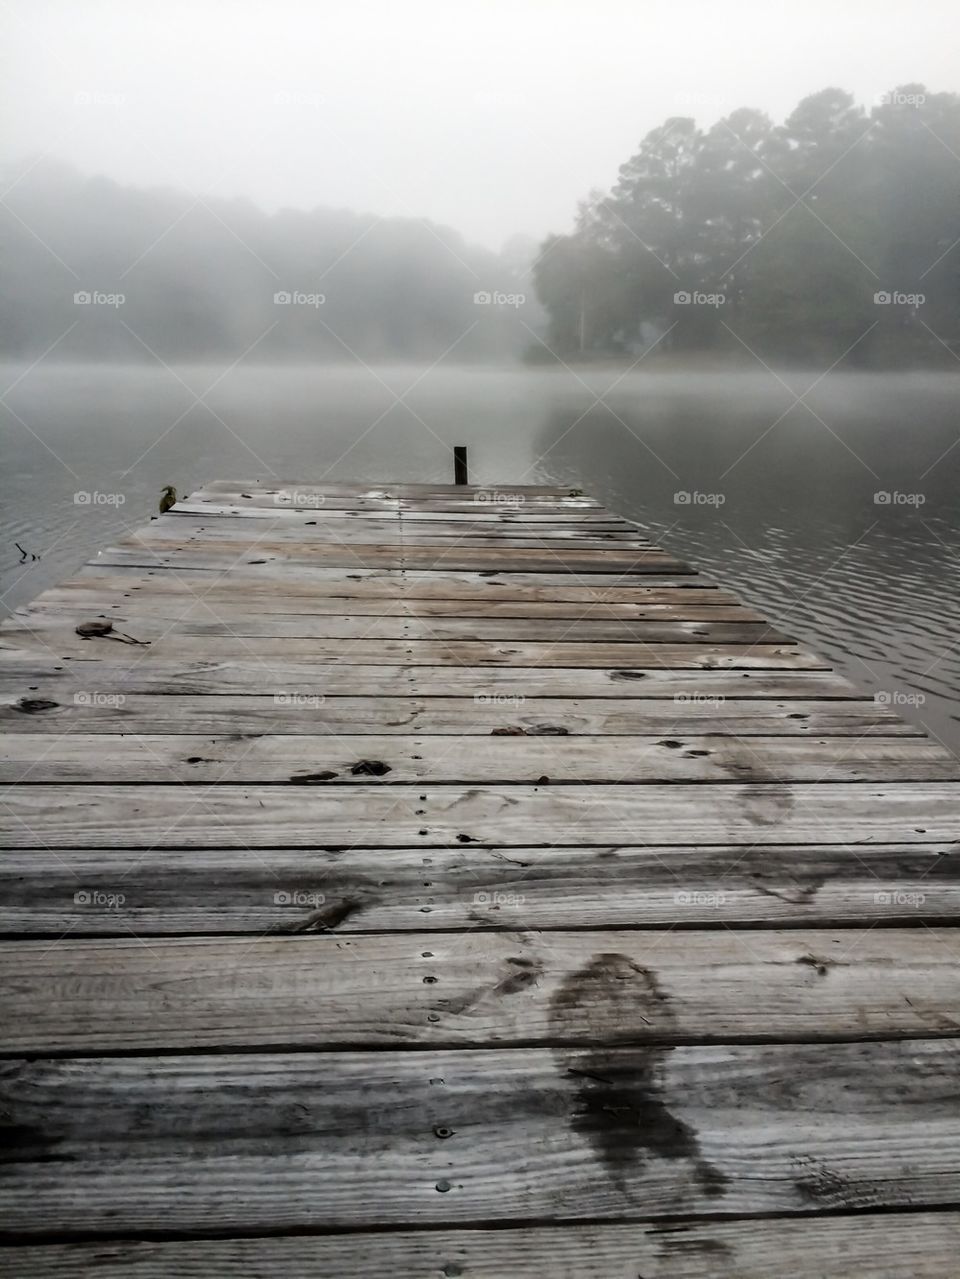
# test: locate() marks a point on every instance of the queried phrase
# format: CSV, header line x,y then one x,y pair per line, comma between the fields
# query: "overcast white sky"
x,y
493,117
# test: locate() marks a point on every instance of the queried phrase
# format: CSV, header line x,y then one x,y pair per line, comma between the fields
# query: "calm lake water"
x,y
782,506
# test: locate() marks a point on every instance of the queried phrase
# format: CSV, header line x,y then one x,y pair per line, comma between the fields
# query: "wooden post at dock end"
x,y
460,464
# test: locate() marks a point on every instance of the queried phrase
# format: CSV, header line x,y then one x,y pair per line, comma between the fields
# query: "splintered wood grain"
x,y
885,1245
475,988
53,892
253,1142
182,816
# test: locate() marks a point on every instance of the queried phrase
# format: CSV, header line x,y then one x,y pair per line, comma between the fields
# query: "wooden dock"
x,y
425,881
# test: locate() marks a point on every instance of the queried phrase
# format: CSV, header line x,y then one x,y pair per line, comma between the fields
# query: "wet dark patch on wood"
x,y
619,1108
327,918
522,974
767,804
21,1142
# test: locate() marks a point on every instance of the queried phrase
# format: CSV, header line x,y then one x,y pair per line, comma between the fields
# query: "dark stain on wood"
x,y
677,1239
20,1142
370,768
327,918
618,1108
521,974
768,804
818,1185
35,705
798,891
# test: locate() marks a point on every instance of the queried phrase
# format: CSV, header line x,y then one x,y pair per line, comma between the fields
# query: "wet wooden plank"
x,y
55,892
156,816
477,988
885,1245
219,1143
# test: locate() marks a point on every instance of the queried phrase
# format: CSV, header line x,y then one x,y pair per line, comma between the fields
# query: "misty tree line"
x,y
791,239
211,278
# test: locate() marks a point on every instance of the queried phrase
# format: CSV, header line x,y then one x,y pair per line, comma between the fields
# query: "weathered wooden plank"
x,y
19,676
407,490
181,816
886,1245
344,759
444,592
223,552
477,988
416,497
235,604
416,652
306,527
250,1142
343,501
425,582
297,539
511,514
500,710
57,628
239,890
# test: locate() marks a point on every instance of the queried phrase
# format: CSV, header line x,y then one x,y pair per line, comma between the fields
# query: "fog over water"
x,y
797,531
